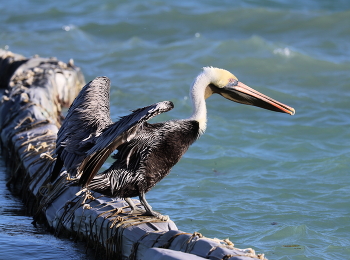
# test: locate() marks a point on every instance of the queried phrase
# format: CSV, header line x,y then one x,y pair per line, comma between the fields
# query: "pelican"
x,y
145,152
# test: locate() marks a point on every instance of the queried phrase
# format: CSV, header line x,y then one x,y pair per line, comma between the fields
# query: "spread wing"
x,y
88,115
115,135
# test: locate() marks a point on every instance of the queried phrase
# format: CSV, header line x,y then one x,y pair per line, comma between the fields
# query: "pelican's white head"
x,y
218,77
214,80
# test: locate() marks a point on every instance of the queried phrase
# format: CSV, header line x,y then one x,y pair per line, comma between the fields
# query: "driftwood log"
x,y
33,92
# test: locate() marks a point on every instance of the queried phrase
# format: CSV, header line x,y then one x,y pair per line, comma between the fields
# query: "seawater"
x,y
277,183
19,239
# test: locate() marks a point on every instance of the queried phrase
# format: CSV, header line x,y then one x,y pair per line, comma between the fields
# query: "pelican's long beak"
x,y
241,93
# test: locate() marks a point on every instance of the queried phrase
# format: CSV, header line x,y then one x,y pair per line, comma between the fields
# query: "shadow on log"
x,y
34,92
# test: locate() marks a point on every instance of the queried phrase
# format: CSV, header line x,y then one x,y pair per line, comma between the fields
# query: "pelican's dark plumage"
x,y
145,152
88,116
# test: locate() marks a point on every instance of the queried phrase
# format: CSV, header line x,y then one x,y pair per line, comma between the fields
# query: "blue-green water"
x,y
277,183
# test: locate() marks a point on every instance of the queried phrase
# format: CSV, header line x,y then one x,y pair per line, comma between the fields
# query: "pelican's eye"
x,y
233,82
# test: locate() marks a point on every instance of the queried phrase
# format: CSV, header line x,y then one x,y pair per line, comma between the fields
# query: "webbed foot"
x,y
145,212
156,214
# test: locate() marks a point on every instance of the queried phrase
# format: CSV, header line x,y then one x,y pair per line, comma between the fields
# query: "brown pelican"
x,y
145,152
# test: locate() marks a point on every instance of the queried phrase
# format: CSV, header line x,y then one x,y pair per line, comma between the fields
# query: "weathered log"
x,y
34,91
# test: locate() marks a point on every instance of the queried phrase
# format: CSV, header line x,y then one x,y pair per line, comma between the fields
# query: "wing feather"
x,y
115,135
88,115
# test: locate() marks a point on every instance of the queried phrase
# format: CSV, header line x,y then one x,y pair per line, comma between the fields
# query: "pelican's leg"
x,y
131,203
134,208
148,208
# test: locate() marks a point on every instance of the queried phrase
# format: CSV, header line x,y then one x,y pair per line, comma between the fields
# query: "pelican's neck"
x,y
197,94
